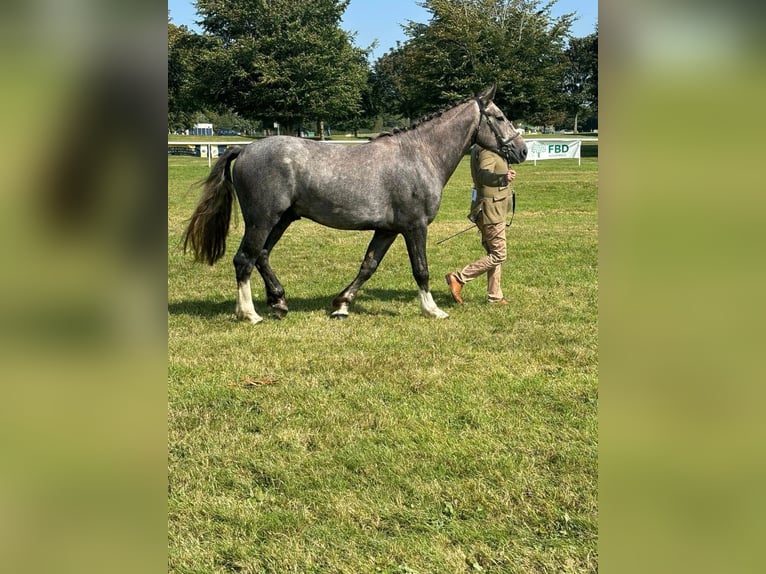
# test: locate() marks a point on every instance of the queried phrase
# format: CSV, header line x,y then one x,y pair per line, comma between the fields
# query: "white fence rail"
x,y
539,148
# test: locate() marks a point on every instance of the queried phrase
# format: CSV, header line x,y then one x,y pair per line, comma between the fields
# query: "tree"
x,y
470,44
395,89
581,77
283,60
181,102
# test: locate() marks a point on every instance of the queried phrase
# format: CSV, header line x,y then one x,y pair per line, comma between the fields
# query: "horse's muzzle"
x,y
515,152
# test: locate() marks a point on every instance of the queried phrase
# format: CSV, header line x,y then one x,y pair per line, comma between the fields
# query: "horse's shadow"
x,y
208,308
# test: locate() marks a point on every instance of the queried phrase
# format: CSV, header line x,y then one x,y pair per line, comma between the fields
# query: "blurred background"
x,y
83,301
680,278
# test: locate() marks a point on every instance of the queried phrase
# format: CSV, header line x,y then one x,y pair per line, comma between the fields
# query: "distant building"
x,y
202,130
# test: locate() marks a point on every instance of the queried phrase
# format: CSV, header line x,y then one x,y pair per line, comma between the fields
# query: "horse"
x,y
390,185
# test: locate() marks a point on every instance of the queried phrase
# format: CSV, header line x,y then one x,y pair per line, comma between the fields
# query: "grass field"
x,y
390,442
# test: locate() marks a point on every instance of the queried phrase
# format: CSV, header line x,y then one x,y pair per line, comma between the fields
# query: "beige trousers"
x,y
493,241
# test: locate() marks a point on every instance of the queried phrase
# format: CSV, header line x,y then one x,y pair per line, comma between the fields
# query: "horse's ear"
x,y
489,94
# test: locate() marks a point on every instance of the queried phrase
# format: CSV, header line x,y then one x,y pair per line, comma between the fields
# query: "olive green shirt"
x,y
493,194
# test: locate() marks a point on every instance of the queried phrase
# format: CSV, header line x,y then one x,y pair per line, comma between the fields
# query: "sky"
x,y
382,20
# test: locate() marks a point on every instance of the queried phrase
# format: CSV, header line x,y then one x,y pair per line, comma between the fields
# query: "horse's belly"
x,y
352,214
343,219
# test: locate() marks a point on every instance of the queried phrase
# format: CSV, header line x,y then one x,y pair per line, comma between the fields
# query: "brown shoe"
x,y
502,301
454,287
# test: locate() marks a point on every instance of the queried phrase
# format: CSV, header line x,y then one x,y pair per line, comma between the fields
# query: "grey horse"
x,y
391,185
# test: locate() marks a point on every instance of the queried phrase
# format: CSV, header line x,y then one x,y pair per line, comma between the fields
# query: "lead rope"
x,y
513,206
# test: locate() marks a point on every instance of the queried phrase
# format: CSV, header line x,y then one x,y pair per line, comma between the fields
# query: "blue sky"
x,y
381,20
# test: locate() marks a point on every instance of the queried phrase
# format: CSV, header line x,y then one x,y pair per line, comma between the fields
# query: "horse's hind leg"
x,y
415,239
254,253
378,247
243,269
275,292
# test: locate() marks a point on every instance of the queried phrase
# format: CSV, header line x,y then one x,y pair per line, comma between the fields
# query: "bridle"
x,y
503,146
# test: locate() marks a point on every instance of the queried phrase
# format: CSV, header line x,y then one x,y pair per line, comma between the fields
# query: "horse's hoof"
x,y
341,310
279,312
253,319
436,314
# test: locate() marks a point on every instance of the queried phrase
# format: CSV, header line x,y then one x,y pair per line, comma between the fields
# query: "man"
x,y
492,195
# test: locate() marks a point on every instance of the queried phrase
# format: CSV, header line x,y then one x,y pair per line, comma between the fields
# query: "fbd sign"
x,y
553,149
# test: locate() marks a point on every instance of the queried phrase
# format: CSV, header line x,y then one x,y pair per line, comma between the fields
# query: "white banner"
x,y
553,149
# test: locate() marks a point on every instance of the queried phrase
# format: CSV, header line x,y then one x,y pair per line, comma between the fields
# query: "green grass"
x,y
390,442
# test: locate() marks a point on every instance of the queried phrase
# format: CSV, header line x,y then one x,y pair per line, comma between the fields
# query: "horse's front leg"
x,y
415,239
376,250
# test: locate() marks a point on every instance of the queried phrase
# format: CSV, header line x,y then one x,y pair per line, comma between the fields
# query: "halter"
x,y
503,146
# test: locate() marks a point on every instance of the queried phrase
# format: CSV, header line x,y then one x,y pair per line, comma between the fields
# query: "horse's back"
x,y
292,161
302,150
333,184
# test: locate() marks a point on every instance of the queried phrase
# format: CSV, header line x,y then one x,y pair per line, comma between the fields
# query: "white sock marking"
x,y
245,308
428,306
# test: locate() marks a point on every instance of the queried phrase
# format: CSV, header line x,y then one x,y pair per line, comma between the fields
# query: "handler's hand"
x,y
510,175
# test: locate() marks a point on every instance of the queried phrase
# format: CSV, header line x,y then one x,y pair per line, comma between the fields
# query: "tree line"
x,y
258,62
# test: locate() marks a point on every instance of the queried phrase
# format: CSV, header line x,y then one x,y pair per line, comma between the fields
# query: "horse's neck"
x,y
445,139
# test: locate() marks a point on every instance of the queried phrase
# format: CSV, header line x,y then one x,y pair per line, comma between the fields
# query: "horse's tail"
x,y
209,224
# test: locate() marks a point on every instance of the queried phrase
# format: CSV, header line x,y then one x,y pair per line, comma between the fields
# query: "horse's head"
x,y
495,132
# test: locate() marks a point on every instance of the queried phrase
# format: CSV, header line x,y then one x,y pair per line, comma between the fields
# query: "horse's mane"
x,y
423,120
